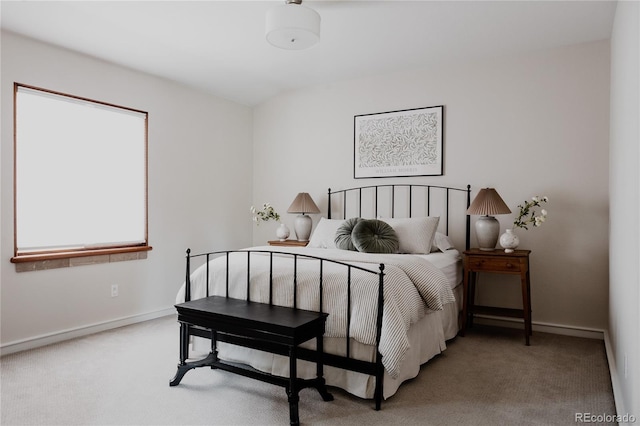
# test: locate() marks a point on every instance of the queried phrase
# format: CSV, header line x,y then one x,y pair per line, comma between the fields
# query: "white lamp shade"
x,y
292,26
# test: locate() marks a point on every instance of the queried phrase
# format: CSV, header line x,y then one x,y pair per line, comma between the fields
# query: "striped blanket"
x,y
412,286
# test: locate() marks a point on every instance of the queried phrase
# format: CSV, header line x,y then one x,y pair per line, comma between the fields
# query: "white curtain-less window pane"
x,y
80,173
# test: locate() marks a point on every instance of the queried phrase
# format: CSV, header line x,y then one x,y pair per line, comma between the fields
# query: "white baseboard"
x,y
613,372
566,330
59,336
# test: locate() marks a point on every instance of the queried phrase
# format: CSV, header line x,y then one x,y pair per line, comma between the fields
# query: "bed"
x,y
389,313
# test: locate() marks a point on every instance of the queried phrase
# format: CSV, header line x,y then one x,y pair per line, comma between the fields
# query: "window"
x,y
80,176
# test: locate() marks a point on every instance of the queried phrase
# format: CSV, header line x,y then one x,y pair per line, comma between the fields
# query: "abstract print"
x,y
399,143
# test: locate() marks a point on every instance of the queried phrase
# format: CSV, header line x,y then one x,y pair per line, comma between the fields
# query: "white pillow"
x,y
325,233
441,242
415,234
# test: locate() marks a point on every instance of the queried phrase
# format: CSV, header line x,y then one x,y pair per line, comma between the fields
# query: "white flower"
x,y
267,213
538,220
528,216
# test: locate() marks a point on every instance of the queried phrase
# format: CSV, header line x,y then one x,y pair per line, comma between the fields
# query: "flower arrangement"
x,y
267,213
528,214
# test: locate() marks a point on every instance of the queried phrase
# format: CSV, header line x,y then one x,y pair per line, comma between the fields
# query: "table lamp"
x,y
303,204
487,203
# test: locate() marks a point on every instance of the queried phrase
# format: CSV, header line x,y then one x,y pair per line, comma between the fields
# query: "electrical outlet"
x,y
114,290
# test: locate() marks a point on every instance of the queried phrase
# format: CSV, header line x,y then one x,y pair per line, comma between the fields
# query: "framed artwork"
x,y
399,143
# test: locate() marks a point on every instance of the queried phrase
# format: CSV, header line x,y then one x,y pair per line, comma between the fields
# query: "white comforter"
x,y
411,285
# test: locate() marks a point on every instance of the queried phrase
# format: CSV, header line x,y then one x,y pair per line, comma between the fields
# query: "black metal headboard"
x,y
384,196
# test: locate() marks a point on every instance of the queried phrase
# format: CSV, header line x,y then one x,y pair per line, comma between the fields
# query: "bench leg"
x,y
184,366
292,389
214,345
184,343
184,355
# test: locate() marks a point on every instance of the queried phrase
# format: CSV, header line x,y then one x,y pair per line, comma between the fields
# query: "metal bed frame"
x,y
430,190
346,362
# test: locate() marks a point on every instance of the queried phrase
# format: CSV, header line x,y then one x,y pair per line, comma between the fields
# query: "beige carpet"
x,y
121,377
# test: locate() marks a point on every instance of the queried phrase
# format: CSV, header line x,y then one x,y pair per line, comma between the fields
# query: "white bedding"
x,y
413,331
449,262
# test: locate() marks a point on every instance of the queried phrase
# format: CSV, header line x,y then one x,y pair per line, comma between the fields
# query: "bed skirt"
x,y
427,339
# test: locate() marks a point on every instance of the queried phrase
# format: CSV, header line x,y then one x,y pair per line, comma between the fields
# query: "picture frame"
x,y
400,143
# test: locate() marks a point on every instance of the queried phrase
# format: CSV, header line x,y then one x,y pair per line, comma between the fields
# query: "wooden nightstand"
x,y
498,262
288,243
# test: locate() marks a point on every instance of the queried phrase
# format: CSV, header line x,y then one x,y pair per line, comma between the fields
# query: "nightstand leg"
x,y
468,293
529,301
472,297
465,299
465,302
526,305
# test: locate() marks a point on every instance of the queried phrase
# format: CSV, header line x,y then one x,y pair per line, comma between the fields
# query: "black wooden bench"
x,y
270,328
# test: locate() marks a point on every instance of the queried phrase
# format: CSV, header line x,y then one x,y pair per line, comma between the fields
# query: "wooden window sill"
x,y
41,261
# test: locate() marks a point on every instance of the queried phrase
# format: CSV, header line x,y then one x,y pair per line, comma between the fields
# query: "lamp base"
x,y
302,227
487,231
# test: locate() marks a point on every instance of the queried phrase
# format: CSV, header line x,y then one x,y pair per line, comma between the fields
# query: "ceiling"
x,y
220,47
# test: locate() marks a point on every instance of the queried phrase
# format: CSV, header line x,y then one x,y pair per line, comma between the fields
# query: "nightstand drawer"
x,y
492,264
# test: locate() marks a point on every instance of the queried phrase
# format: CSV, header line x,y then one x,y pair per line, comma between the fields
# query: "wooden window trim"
x,y
39,257
45,256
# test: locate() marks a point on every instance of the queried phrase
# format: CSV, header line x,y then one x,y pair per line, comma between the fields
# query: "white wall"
x,y
200,174
535,123
624,302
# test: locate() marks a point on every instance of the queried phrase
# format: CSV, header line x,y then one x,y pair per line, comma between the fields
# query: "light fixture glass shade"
x,y
292,26
488,202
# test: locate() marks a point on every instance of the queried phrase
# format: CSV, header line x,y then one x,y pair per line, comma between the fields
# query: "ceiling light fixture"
x,y
292,26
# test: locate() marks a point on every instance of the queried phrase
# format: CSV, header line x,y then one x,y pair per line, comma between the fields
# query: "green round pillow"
x,y
343,235
374,236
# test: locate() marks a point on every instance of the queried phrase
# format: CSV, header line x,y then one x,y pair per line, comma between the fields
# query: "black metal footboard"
x,y
347,361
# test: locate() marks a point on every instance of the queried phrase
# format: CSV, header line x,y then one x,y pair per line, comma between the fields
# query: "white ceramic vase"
x,y
282,232
509,241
